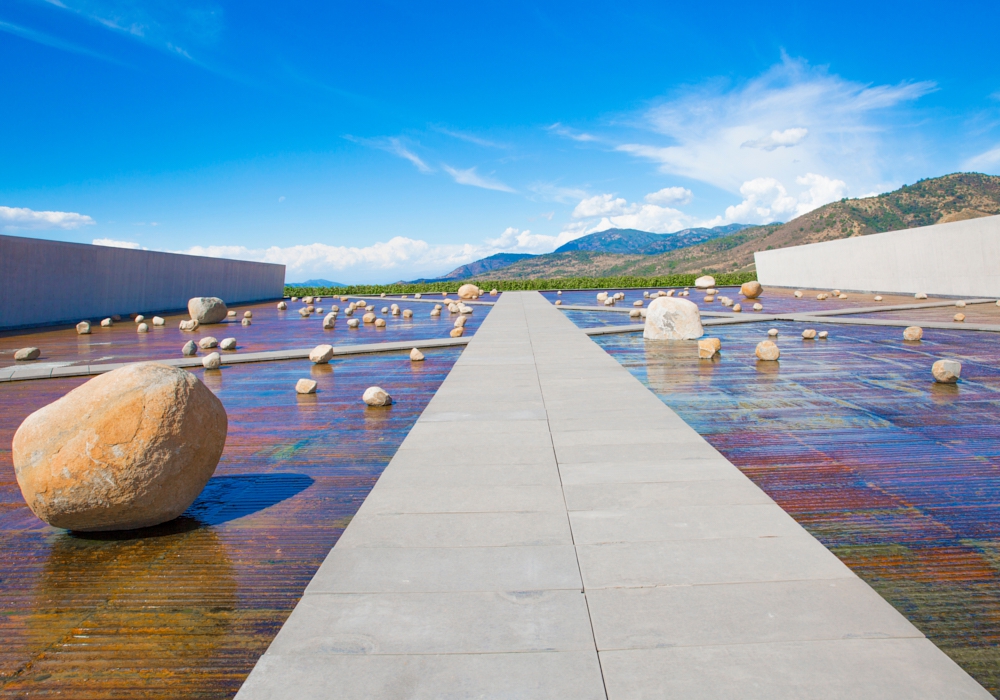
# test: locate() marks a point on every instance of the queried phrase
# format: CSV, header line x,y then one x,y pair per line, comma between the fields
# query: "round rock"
x,y
808,334
227,344
321,354
376,396
704,282
959,318
353,323
213,360
208,342
767,350
207,309
142,328
946,371
128,449
670,318
158,321
913,333
751,290
83,328
773,332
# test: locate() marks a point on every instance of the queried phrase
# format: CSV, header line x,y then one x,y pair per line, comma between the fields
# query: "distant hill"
x,y
936,200
315,283
631,241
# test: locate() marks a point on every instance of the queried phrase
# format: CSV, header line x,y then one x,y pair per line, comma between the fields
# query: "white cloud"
x,y
394,146
777,139
112,243
471,177
766,200
670,195
600,205
983,161
470,138
571,133
514,240
551,192
23,218
647,217
728,135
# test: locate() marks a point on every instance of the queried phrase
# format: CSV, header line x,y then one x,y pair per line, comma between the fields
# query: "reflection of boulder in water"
x,y
673,365
139,610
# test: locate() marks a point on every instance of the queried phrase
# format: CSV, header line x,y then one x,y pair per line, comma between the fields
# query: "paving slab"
x,y
551,529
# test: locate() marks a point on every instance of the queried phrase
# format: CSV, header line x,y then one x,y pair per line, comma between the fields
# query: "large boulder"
x,y
468,291
207,309
704,282
946,371
128,449
751,290
670,318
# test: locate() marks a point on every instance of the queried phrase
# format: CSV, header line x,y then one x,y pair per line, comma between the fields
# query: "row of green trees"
x,y
620,282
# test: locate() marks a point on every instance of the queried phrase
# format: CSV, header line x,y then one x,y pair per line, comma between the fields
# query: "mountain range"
x,y
943,199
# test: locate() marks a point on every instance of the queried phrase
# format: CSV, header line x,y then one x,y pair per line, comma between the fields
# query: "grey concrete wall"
x,y
48,282
961,258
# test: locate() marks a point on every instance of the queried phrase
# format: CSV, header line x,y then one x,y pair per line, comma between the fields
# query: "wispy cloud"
x,y
983,161
395,146
474,179
569,133
53,42
553,192
470,138
777,139
23,218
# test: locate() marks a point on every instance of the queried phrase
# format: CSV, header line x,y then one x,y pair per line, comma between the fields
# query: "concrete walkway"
x,y
550,529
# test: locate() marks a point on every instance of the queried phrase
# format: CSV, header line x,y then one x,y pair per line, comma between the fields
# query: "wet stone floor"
x,y
184,610
897,475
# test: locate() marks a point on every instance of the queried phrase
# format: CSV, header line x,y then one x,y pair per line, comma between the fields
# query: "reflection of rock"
x,y
165,598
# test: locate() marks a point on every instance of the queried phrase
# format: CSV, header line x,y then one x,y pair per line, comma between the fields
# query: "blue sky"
x,y
380,141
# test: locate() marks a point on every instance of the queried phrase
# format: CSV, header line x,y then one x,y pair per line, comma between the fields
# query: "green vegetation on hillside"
x,y
620,282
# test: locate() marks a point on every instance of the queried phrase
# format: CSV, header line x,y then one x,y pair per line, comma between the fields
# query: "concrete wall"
x,y
961,258
47,282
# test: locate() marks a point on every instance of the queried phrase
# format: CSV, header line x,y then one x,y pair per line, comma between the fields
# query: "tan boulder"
x,y
142,328
708,348
767,350
709,298
959,318
751,290
457,332
670,318
460,321
27,354
207,309
913,333
83,328
946,371
307,300
493,292
208,342
213,360
468,291
704,282
227,344
305,386
368,317
380,323
416,355
361,303
808,334
376,396
558,302
128,449
321,354
282,306
407,313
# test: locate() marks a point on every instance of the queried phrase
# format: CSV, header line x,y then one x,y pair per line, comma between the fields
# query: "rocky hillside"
x,y
938,200
632,241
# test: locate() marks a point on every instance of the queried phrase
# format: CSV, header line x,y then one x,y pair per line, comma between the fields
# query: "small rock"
x,y
808,334
960,304
494,292
822,335
773,332
304,312
602,296
330,321
797,294
878,298
207,309
318,299
920,295
708,348
737,308
208,342
704,282
307,300
457,332
343,300
947,371
361,303
385,309
758,307
913,333
142,328
435,312
107,323
248,314
635,313
354,323
312,309
26,354
231,313
380,323
711,291
407,313
282,306
637,302
416,355
959,318
139,318
767,350
295,298
158,321
419,295
460,321
560,292
83,328
751,290
645,295
321,354
368,317
228,344
212,361
468,291
836,292
189,349
189,325
463,309
558,302
669,318
382,295
822,296
377,396
246,321
305,386
709,298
